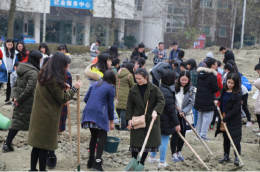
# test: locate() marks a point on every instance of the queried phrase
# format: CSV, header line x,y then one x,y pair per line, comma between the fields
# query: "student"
x,y
160,53
94,49
23,95
229,68
228,55
51,93
179,60
98,116
184,100
124,82
174,52
203,63
45,52
230,104
66,51
257,103
207,86
220,70
138,97
96,71
23,53
183,66
9,58
169,118
244,97
14,74
115,65
192,67
139,51
112,51
141,62
62,49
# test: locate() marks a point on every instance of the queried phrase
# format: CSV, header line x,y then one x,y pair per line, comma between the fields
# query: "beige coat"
x,y
257,103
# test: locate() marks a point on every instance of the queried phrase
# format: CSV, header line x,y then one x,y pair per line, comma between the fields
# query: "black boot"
x,y
97,165
236,162
51,160
225,159
7,147
33,170
91,160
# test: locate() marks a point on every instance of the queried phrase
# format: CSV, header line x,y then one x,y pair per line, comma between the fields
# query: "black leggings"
x,y
8,90
176,141
102,136
226,144
40,154
244,107
11,134
258,119
144,156
155,81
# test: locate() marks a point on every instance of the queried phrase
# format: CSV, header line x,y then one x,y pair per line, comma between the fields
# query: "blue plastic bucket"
x,y
112,144
5,123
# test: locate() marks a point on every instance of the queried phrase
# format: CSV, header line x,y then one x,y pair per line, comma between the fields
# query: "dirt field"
x,y
19,160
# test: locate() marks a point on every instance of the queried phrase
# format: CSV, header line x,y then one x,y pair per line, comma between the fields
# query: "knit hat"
x,y
141,45
209,55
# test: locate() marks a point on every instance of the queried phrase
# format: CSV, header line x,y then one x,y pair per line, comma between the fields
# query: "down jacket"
x,y
257,103
23,90
124,82
207,86
159,69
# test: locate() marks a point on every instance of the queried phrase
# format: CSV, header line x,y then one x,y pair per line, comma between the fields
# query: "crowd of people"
x,y
40,86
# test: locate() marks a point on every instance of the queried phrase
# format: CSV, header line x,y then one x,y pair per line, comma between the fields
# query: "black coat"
x,y
169,118
138,54
207,86
233,116
229,55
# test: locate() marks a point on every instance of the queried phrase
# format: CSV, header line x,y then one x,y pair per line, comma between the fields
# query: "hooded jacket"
x,y
23,90
124,82
159,69
207,86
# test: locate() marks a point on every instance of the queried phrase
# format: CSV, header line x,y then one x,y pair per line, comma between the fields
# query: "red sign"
x,y
200,43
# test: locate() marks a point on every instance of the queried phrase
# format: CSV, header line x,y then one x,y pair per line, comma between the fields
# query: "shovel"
x,y
241,164
134,164
5,103
78,123
69,120
209,157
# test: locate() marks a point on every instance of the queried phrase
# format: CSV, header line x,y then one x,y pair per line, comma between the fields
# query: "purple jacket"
x,y
99,105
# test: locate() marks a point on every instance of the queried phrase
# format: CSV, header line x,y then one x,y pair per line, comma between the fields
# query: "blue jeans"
x,y
163,148
195,113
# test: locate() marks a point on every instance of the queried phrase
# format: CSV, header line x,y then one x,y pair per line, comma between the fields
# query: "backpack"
x,y
203,64
246,83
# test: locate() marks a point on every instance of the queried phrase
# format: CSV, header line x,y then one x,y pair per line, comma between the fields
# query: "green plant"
x,y
209,44
129,41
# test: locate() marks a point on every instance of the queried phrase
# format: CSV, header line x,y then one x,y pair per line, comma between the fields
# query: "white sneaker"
x,y
153,160
197,138
249,124
256,130
162,165
258,134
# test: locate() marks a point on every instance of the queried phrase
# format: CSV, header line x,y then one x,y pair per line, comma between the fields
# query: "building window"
x,y
176,9
175,18
206,30
206,3
222,31
139,4
222,4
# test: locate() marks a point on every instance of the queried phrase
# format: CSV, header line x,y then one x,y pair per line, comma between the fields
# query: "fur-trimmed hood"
x,y
204,72
93,73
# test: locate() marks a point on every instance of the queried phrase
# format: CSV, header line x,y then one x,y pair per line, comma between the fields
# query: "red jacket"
x,y
25,59
220,85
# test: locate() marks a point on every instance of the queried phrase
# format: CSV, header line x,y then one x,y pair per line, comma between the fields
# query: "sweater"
x,y
93,49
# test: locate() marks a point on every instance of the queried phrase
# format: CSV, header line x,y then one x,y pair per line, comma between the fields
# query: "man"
x,y
179,59
174,52
207,86
203,63
160,53
94,49
228,55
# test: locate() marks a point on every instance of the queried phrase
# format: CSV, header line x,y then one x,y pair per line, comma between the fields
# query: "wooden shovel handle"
x,y
69,121
78,120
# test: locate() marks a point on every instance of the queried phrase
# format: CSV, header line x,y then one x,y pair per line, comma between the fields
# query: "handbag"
x,y
139,121
190,118
222,128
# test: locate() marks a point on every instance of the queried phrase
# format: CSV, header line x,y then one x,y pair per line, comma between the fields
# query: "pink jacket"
x,y
257,103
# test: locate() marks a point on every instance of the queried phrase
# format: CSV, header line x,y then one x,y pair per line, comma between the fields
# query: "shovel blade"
x,y
134,165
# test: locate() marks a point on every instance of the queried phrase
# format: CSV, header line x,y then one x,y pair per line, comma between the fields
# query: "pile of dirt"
x,y
252,47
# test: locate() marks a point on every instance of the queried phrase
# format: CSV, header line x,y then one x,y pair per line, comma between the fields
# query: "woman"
x,y
23,94
139,51
9,58
23,53
45,51
112,51
95,72
141,62
66,51
98,116
124,83
184,100
138,97
50,94
230,104
169,118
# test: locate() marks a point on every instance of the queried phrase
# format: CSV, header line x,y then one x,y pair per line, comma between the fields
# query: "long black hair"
x,y
112,51
47,51
66,48
22,53
233,63
55,68
178,84
102,62
34,58
192,63
236,79
130,66
12,51
110,77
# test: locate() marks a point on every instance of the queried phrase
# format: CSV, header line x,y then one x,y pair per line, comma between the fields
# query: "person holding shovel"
x,y
230,106
141,95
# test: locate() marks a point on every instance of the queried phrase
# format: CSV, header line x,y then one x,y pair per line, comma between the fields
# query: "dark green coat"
x,y
136,106
23,90
45,118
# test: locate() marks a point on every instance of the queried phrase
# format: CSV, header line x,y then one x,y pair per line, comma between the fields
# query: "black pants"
x,y
244,107
176,142
40,154
155,81
144,156
214,117
8,90
102,136
226,144
11,134
258,119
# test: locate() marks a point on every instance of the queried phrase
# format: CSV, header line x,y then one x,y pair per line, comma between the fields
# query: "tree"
x,y
10,27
